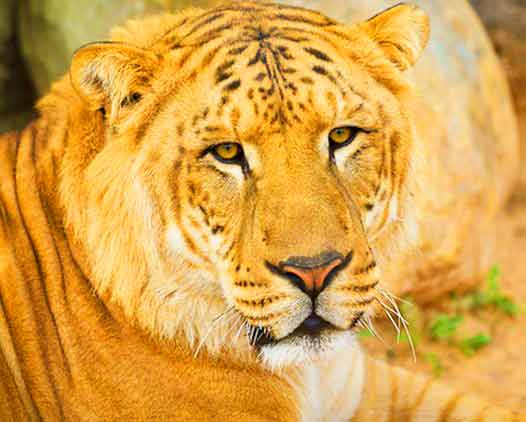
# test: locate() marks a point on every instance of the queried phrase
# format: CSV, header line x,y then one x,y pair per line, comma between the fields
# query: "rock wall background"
x,y
16,90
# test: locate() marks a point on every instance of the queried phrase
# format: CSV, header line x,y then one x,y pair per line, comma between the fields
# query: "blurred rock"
x,y
6,33
503,14
51,30
506,22
15,89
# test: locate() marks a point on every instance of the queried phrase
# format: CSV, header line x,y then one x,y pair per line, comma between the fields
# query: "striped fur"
x,y
140,273
394,394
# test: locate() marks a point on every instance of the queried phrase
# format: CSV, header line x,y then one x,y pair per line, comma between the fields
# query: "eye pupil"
x,y
227,152
341,136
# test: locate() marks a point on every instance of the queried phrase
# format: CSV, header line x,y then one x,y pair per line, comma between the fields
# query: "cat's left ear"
x,y
401,32
109,75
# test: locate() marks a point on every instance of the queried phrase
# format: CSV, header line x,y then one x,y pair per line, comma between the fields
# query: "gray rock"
x,y
51,30
14,87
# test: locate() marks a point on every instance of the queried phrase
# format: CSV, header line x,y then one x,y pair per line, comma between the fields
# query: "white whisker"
x,y
213,325
371,328
388,313
391,298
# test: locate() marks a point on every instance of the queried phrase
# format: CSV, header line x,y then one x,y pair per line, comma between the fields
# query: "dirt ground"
x,y
497,371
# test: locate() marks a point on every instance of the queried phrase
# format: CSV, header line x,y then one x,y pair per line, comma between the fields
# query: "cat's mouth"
x,y
313,340
312,330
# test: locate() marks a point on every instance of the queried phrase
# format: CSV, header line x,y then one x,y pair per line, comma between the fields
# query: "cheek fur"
x,y
213,204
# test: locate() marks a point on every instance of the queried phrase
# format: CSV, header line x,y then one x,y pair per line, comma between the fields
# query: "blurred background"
x,y
473,346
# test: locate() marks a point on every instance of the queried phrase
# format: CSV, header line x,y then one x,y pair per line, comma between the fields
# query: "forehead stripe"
x,y
299,19
237,50
318,54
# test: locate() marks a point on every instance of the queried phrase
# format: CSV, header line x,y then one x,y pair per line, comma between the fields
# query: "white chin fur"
x,y
296,351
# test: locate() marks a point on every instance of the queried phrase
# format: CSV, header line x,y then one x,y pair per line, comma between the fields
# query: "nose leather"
x,y
313,278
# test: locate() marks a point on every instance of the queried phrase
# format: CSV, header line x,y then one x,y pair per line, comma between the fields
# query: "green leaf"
x,y
434,360
470,345
444,326
492,280
494,296
506,305
473,300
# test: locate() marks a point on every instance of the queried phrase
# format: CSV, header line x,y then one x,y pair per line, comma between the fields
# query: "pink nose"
x,y
313,278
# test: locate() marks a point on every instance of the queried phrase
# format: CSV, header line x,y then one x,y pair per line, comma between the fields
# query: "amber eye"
x,y
230,153
341,136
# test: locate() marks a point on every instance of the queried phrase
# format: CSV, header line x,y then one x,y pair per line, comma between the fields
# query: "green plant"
x,y
470,345
491,296
444,326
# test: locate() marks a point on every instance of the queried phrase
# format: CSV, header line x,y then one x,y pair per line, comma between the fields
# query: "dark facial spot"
x,y
217,229
180,129
191,188
369,207
292,87
131,99
205,215
319,69
232,86
221,71
284,52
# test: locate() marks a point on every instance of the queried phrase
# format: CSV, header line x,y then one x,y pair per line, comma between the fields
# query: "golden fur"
x,y
136,267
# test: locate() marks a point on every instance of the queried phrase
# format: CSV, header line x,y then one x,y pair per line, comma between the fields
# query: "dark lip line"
x,y
332,327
